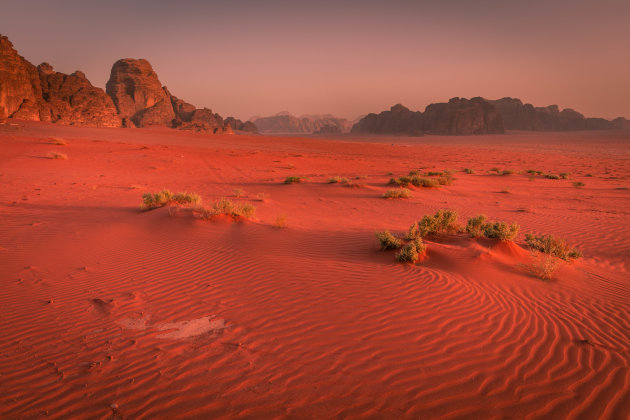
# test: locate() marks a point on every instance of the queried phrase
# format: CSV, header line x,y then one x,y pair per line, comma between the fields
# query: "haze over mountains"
x,y
135,97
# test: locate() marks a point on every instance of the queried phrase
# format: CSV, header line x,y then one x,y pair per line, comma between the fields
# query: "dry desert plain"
x,y
107,311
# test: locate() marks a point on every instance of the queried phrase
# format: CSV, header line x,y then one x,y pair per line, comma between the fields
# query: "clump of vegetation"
x,y
543,265
478,227
294,179
468,171
551,176
589,175
495,169
564,175
501,231
475,225
533,172
338,179
281,221
58,141
578,184
387,240
442,221
415,180
55,155
411,251
226,207
547,244
414,172
398,193
434,173
238,192
508,172
164,197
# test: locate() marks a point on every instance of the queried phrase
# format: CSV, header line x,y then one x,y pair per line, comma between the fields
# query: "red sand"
x,y
106,311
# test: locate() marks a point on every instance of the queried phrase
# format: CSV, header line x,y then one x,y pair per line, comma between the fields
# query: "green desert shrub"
x,y
501,230
534,172
475,226
186,198
547,244
442,221
478,226
434,173
398,193
411,251
164,197
294,179
387,240
226,207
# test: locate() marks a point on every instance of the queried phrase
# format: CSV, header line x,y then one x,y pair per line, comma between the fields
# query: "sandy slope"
x,y
106,311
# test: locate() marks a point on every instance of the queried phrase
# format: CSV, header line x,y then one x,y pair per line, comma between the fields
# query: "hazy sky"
x,y
347,58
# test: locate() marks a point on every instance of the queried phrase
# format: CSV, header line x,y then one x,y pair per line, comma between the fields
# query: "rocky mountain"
x,y
239,125
284,122
519,116
456,117
134,97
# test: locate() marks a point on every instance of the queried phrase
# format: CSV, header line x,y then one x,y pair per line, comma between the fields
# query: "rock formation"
x,y
519,116
461,116
20,91
238,125
71,99
284,122
456,117
138,94
398,120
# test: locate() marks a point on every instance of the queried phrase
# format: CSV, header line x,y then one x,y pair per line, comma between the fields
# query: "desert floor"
x,y
107,311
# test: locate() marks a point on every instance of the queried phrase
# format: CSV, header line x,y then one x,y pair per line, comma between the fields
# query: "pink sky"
x,y
348,58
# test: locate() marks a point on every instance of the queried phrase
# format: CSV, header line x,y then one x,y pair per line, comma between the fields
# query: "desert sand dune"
x,y
107,311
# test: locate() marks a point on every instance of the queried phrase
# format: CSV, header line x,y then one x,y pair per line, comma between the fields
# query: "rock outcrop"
x,y
71,99
461,116
284,122
138,94
398,120
456,117
238,125
519,116
20,91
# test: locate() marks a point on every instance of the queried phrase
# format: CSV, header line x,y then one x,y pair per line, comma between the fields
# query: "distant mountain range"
x,y
284,122
481,116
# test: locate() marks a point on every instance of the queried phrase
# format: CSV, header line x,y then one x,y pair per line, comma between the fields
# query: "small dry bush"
x,y
337,179
294,179
55,155
238,192
468,171
542,265
478,227
578,184
58,141
551,176
442,221
549,245
501,231
565,175
224,206
508,172
387,240
411,251
281,221
164,197
398,193
434,173
445,180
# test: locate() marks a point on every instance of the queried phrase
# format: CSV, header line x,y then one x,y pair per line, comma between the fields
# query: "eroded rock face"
x,y
398,120
138,94
461,116
20,92
71,99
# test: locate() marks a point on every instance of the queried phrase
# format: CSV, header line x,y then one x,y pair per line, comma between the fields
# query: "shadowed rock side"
x,y
20,91
519,116
238,125
456,117
71,99
284,122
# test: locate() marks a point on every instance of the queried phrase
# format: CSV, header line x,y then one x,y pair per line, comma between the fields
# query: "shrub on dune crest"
x,y
387,240
477,227
411,252
164,197
547,244
442,221
226,207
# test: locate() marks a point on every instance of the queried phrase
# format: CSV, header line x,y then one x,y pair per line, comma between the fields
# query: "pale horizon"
x,y
246,59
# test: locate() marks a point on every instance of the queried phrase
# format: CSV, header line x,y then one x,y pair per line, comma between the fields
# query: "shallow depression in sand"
x,y
177,330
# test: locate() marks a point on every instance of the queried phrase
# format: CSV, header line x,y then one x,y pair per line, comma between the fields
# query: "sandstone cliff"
x,y
398,120
238,125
